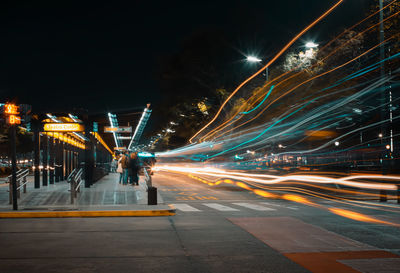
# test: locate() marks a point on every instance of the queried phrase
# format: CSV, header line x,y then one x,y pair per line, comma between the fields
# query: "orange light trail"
x,y
306,81
274,179
267,65
305,201
219,128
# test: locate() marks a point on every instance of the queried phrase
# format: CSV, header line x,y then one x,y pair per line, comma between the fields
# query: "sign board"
x,y
120,148
13,119
63,127
123,137
11,109
95,127
120,129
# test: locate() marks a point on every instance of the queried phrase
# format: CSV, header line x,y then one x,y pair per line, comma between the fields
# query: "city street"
x,y
216,229
200,136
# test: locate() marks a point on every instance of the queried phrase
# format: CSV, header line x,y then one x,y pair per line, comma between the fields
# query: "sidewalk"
x,y
105,196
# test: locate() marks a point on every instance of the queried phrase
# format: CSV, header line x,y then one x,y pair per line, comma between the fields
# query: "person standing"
x,y
120,170
125,167
134,169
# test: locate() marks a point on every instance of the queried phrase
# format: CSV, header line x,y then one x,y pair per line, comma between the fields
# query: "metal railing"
x,y
75,180
71,175
147,177
21,177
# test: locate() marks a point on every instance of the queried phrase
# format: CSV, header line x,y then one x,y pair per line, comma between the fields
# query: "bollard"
x,y
24,181
152,196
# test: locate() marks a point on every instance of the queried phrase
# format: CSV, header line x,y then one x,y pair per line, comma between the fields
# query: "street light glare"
x,y
311,45
253,59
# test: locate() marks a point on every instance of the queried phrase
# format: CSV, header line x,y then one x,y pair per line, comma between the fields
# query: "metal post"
x,y
57,160
36,136
382,194
45,160
51,163
72,189
24,181
66,173
62,162
13,166
89,166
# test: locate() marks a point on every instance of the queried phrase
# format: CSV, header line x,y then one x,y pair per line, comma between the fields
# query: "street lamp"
x,y
253,59
311,45
336,143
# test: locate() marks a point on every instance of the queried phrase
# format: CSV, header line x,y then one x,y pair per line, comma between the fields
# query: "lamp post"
x,y
253,59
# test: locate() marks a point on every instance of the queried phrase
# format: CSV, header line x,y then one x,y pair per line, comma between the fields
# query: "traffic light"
x,y
16,114
11,109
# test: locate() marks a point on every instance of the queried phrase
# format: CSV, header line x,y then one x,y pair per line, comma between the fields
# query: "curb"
x,y
98,213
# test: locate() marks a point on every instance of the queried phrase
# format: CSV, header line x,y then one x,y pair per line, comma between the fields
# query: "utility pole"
x,y
13,166
12,117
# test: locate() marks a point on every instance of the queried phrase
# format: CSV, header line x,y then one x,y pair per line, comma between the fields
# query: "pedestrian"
x,y
125,167
134,169
120,170
113,165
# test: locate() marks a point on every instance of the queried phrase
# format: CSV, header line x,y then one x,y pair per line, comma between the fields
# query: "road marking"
x,y
219,207
277,205
253,206
185,207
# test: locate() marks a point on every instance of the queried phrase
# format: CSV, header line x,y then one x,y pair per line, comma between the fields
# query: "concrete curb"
x,y
98,213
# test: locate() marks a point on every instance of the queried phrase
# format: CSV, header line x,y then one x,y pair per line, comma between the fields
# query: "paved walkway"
x,y
105,194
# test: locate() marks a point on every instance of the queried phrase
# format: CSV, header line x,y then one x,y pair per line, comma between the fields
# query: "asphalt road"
x,y
220,228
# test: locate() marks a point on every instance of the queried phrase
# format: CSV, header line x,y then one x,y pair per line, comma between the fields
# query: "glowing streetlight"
x,y
311,45
336,143
380,135
253,59
388,147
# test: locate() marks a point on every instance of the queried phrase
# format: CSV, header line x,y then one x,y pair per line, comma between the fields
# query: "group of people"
x,y
128,168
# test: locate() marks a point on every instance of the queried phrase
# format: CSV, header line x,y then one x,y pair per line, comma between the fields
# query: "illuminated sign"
x,y
11,109
63,127
120,129
12,119
120,148
123,137
145,154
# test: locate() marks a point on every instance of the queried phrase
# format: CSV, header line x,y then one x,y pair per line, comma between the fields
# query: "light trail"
x,y
346,213
255,108
274,179
325,116
208,135
309,80
267,65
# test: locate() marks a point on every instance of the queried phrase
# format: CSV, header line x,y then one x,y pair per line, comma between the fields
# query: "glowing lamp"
x,y
253,59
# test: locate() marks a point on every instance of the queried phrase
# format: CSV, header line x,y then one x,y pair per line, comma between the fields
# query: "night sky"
x,y
105,56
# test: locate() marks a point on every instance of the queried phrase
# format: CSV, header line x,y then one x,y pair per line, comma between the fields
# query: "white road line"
x,y
277,205
219,207
185,207
253,206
